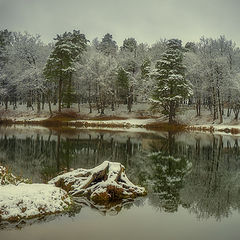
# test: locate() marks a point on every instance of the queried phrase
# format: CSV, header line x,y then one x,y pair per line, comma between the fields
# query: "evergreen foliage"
x,y
171,85
129,44
61,63
108,46
122,85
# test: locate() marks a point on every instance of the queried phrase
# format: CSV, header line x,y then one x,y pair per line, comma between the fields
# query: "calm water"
x,y
193,181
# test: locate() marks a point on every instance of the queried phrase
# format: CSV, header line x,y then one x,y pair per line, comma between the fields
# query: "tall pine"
x,y
61,64
171,85
108,46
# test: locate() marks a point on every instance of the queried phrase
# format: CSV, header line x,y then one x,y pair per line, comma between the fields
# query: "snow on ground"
x,y
186,115
118,129
31,200
127,123
22,113
20,199
205,122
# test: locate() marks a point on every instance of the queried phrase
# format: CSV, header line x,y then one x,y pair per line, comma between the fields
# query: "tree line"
x,y
71,69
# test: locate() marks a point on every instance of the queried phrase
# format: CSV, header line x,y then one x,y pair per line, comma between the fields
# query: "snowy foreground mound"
x,y
21,200
31,200
104,183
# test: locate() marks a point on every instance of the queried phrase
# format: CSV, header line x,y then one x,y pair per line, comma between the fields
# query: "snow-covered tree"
x,y
108,46
157,49
129,44
5,40
122,85
196,74
128,62
22,73
61,63
211,67
171,85
95,78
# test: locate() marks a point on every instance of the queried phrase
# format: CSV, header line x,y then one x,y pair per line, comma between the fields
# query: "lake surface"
x,y
193,183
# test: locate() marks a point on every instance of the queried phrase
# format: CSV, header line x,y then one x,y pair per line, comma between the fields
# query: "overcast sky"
x,y
146,20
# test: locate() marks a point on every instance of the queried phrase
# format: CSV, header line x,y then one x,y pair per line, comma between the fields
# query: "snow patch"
x,y
31,200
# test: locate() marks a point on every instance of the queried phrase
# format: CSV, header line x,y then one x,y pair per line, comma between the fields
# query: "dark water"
x,y
193,181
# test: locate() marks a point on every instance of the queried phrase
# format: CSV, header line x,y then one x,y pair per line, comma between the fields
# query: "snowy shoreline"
x,y
130,124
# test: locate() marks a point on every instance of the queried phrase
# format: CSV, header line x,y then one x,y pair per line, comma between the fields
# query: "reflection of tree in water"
x,y
43,157
25,155
166,175
210,189
167,180
213,187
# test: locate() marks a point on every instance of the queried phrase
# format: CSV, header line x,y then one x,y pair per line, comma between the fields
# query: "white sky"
x,y
146,20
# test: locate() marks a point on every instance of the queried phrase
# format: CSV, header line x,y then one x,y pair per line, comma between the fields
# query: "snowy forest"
x,y
72,70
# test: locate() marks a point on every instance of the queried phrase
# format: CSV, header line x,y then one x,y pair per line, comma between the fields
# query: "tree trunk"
x,y
49,105
236,112
60,95
171,113
219,106
112,105
89,99
102,106
130,99
6,103
113,101
214,104
69,93
79,109
198,106
43,101
38,103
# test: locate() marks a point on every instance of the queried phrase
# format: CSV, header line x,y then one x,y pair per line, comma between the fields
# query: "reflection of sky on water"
x,y
141,223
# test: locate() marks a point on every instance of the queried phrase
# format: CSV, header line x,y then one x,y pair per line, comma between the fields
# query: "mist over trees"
x,y
73,70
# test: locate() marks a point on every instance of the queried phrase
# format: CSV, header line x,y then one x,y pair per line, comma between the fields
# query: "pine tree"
x,y
130,44
61,63
108,46
171,85
122,85
145,68
5,40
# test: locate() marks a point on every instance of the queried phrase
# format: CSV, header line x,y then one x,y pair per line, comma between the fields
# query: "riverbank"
x,y
138,120
131,124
